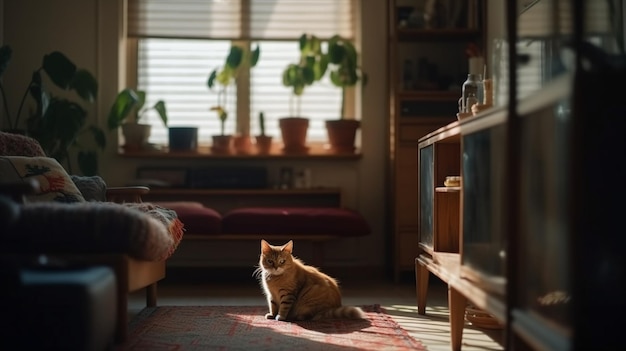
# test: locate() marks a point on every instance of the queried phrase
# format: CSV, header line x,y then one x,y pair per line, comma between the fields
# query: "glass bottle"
x,y
470,88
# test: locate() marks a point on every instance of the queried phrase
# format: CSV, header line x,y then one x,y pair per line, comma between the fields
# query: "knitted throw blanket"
x,y
143,231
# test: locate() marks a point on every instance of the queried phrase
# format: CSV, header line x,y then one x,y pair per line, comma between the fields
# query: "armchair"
x,y
66,218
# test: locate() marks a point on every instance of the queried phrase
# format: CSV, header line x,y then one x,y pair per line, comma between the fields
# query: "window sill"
x,y
315,151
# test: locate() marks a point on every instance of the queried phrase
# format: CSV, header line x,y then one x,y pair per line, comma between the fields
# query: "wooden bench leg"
x,y
421,282
151,295
456,305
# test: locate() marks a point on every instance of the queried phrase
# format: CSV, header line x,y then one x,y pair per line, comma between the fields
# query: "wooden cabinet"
x,y
428,65
454,243
539,249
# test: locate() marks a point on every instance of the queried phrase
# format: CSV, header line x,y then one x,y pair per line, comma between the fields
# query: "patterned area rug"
x,y
245,328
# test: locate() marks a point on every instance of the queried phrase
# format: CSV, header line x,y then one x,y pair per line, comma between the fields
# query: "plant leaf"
x,y
254,58
85,85
125,102
162,111
59,68
235,57
211,80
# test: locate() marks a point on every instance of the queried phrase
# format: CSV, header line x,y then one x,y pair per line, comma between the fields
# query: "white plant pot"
x,y
135,136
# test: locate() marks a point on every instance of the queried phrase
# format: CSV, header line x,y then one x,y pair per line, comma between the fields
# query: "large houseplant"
x,y
126,112
345,72
238,59
59,124
310,68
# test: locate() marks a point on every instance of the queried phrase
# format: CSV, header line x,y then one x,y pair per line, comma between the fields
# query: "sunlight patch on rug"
x,y
245,328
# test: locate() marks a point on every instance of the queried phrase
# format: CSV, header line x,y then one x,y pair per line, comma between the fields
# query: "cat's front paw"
x,y
269,316
280,318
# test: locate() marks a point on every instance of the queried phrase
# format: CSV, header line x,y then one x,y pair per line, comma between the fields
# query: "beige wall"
x,y
88,31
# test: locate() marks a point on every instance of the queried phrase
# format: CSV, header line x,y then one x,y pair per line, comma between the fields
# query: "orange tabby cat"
x,y
296,291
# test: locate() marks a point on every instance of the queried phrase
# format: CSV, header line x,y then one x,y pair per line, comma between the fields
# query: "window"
x,y
177,44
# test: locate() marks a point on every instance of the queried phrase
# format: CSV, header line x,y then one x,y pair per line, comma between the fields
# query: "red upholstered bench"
x,y
197,218
295,221
313,224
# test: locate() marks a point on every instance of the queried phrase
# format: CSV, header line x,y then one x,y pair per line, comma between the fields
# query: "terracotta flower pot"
x,y
221,144
243,144
263,144
342,134
293,131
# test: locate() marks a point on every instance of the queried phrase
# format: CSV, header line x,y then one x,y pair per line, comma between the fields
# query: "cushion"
x,y
295,220
197,218
93,188
54,182
19,145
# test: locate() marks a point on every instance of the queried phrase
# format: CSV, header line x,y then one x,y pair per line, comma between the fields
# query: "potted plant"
x,y
345,72
58,123
126,113
263,141
310,68
238,58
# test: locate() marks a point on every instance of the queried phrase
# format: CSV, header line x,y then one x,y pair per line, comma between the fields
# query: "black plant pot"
x,y
183,138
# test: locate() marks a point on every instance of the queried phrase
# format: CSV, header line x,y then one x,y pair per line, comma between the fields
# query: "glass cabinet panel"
x,y
543,248
426,195
483,165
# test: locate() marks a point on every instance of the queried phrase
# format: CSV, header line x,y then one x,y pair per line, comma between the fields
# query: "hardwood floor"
x,y
398,299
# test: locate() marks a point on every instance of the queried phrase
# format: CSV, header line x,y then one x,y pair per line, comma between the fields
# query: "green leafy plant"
x,y
128,107
238,58
310,68
344,68
58,123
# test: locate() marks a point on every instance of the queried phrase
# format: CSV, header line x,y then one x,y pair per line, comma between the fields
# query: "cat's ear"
x,y
265,246
288,247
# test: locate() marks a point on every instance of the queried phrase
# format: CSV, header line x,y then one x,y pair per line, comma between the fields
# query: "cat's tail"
x,y
347,312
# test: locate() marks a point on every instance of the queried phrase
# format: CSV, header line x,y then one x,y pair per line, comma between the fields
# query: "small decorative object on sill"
x,y
469,92
452,181
487,101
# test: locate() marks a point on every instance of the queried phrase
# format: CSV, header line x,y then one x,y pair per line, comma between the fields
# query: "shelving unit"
x,y
428,65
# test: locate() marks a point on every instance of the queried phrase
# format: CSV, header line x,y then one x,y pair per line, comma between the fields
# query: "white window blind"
x,y
181,42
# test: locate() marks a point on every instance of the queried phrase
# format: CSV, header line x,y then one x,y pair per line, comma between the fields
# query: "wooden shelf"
x,y
314,152
448,189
